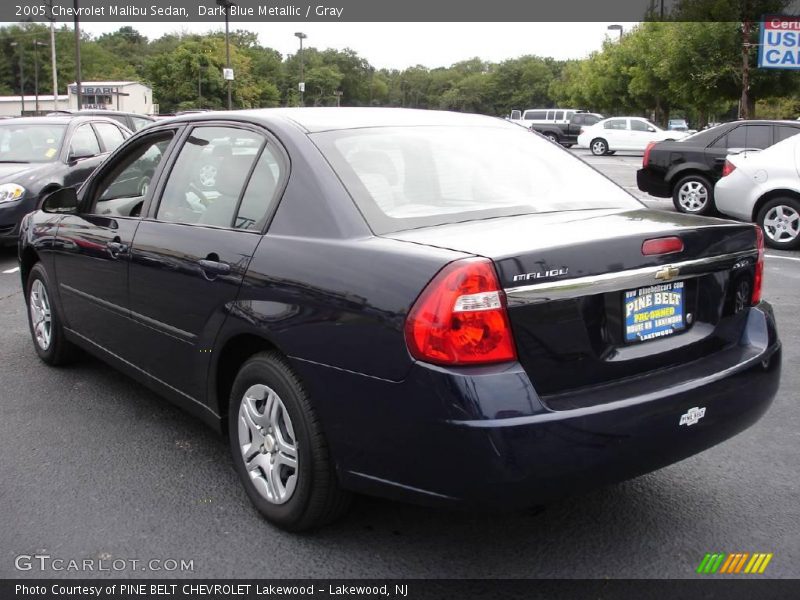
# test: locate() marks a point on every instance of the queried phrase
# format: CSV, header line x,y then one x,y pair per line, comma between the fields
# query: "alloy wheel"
x,y
693,196
41,316
268,444
599,147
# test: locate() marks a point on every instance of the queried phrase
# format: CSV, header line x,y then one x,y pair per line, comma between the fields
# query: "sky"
x,y
401,45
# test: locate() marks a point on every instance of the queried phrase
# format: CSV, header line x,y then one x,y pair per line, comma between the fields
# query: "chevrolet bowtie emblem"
x,y
667,273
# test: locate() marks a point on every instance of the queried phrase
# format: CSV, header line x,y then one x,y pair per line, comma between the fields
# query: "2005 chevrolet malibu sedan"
x,y
427,306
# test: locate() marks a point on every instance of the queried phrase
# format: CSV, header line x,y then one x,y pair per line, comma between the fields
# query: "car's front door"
x,y
93,246
189,256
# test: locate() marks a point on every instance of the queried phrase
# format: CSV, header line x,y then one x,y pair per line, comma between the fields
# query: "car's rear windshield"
x,y
409,177
30,143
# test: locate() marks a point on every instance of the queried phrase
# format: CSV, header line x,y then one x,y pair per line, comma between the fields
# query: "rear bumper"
x,y
735,195
484,437
652,183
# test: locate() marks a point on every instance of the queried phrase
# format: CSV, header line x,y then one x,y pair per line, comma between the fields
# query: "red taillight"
x,y
728,168
646,157
665,245
460,318
758,278
581,131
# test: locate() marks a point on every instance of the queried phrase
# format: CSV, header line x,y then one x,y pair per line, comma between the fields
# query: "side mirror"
x,y
651,129
62,201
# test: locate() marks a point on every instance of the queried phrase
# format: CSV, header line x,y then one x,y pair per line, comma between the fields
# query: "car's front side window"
x,y
209,176
123,189
84,143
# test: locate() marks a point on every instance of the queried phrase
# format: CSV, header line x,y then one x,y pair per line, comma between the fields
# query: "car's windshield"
x,y
31,143
408,177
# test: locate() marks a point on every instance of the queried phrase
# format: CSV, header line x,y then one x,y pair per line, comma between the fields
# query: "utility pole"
x,y
78,89
338,94
744,103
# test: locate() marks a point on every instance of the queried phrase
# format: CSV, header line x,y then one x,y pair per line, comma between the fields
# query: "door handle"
x,y
214,266
116,248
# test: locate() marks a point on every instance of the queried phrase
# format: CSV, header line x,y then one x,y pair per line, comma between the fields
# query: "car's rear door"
x,y
92,250
190,254
742,137
615,132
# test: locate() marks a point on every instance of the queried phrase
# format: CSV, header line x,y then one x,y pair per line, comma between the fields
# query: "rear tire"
x,y
269,407
599,146
44,320
779,218
693,195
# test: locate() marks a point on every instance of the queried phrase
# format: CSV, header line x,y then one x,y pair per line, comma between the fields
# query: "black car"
x,y
427,306
41,154
133,121
687,169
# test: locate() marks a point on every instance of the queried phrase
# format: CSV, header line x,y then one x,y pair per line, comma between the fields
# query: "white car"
x,y
623,133
764,186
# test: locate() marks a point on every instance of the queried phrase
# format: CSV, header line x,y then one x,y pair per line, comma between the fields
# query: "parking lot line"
x,y
783,257
14,270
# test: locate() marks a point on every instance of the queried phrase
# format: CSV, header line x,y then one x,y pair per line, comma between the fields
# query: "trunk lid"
x,y
566,276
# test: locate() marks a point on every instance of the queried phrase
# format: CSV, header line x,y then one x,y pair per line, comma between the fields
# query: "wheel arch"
x,y
686,169
27,260
766,197
235,351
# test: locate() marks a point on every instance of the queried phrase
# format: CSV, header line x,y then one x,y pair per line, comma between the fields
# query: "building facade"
x,y
11,106
128,96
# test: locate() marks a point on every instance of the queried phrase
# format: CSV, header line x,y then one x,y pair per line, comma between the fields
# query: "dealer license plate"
x,y
653,312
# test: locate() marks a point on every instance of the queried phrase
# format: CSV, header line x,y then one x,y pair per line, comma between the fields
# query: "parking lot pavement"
x,y
94,465
622,167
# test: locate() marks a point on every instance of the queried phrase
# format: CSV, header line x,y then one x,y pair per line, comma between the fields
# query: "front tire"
x,y
780,220
44,320
552,137
279,449
598,146
693,195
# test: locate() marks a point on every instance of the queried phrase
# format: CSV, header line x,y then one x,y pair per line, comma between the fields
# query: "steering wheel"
x,y
199,193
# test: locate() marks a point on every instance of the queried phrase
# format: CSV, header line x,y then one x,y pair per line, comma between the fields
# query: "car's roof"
x,y
97,113
314,120
50,120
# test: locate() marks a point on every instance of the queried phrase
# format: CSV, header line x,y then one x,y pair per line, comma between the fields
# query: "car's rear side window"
x,y
785,131
750,136
406,177
220,175
111,135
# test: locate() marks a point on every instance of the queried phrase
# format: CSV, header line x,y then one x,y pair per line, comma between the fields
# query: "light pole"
x,y
301,36
53,55
226,5
338,94
21,80
78,87
36,44
616,28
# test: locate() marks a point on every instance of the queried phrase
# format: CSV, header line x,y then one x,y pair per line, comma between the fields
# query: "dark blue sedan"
x,y
422,305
